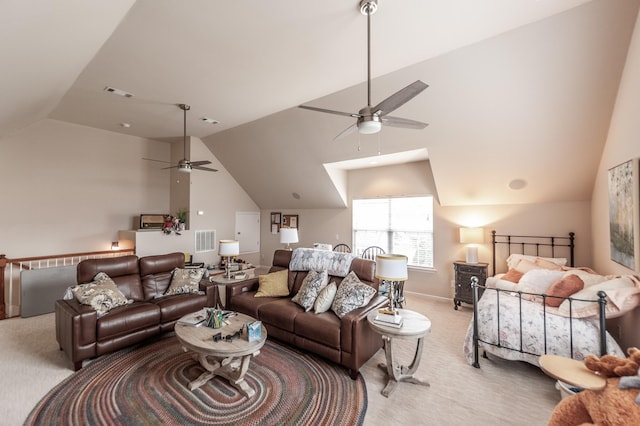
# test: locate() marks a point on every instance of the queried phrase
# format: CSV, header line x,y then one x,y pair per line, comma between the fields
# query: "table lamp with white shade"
x,y
229,249
288,236
472,237
392,268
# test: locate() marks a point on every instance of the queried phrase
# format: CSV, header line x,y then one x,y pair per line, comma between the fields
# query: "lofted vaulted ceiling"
x,y
518,89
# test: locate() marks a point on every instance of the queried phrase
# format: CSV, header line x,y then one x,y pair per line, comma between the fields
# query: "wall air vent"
x,y
205,241
118,92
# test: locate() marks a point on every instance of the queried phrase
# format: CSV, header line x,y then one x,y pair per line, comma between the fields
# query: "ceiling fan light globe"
x,y
369,127
184,168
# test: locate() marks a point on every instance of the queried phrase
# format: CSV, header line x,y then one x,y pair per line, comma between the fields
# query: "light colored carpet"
x,y
500,392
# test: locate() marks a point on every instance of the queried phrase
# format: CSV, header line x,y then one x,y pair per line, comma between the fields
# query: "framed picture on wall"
x,y
275,222
624,208
290,220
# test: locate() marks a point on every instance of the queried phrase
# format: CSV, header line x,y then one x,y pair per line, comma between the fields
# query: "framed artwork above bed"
x,y
624,211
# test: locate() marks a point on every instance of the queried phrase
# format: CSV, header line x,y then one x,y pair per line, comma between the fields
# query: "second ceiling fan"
x,y
185,165
371,118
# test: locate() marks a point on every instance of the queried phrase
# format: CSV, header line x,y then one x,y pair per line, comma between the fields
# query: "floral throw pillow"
x,y
102,294
311,286
351,294
184,281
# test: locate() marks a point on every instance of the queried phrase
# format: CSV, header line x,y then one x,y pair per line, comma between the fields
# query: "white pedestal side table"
x,y
415,326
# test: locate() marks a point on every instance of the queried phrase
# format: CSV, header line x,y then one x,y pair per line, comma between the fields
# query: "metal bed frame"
x,y
535,246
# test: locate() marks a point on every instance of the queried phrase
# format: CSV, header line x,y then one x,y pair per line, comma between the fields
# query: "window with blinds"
x,y
402,225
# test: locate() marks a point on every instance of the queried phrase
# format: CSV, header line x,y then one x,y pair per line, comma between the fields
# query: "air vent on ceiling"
x,y
118,92
205,240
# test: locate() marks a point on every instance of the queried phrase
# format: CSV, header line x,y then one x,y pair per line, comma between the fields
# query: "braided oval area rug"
x,y
147,385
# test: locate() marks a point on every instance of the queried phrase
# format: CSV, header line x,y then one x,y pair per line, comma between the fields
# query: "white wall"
x,y
69,188
623,143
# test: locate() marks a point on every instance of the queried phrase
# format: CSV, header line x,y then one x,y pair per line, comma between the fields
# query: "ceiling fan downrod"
x,y
368,8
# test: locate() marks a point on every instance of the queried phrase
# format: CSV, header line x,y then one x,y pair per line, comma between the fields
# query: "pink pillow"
x,y
562,288
512,275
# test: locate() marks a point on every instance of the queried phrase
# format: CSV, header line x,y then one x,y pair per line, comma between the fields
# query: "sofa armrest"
x,y
211,290
354,324
244,286
76,329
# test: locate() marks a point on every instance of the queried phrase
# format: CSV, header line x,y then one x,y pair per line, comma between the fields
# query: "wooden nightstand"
x,y
463,272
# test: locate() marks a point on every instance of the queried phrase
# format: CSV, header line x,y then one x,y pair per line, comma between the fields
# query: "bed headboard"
x,y
504,245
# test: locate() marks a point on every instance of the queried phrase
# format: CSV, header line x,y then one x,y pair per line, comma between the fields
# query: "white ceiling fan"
x,y
370,119
185,165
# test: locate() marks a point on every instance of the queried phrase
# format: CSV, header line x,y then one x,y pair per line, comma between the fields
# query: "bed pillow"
x,y
588,278
102,294
564,287
526,266
351,294
622,297
274,284
513,259
506,285
547,264
325,298
539,280
311,286
185,281
512,275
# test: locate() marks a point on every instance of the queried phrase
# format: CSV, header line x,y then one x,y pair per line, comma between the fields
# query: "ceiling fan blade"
x,y
329,111
200,163
346,131
159,161
170,167
402,122
399,98
203,168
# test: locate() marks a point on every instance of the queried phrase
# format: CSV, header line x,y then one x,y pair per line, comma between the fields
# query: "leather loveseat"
x,y
83,334
348,341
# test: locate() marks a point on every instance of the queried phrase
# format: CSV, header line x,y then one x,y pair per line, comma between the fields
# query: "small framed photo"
x,y
290,220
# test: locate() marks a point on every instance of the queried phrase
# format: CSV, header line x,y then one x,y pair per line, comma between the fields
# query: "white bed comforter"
x,y
585,331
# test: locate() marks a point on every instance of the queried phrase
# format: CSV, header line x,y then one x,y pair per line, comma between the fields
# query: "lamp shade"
x,y
229,248
471,235
288,235
391,267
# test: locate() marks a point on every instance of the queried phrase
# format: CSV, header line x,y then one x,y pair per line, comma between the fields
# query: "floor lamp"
x,y
228,249
392,268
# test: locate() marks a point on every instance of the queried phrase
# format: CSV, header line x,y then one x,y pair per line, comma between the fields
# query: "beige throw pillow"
x,y
273,284
325,298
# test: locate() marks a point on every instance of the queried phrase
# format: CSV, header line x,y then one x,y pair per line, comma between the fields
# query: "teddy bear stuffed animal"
x,y
617,404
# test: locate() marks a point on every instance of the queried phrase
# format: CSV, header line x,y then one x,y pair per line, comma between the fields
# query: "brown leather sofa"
x,y
349,341
82,335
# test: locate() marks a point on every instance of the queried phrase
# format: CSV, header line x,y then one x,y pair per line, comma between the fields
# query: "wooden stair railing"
x,y
7,266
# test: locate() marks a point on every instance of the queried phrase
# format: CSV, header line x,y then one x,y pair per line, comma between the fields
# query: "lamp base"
x,y
472,254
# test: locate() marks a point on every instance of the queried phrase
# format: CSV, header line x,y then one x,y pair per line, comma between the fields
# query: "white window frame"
x,y
378,228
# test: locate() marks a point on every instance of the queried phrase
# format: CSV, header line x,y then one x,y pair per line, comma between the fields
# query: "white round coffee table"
x,y
228,359
414,326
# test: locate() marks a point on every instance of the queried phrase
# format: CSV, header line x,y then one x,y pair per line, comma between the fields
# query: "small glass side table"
x,y
414,326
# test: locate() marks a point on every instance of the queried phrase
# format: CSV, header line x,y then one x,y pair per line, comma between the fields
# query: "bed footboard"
x,y
523,347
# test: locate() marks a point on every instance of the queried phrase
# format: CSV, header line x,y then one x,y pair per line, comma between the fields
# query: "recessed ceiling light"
x,y
209,120
125,125
118,92
517,184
